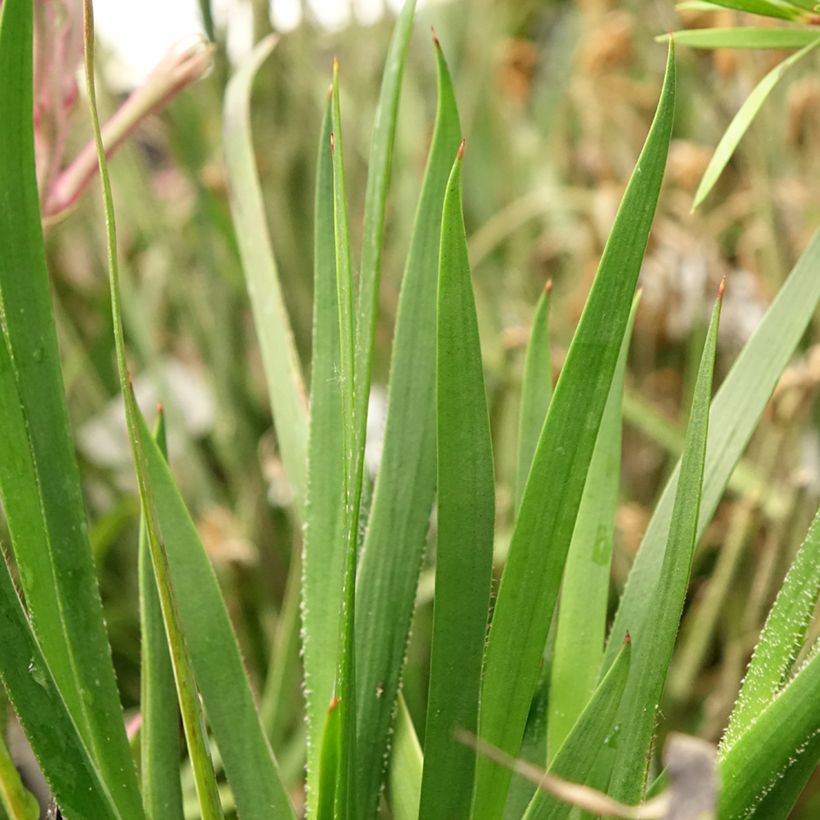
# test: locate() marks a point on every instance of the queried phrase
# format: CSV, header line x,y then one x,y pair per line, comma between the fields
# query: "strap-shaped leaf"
x,y
745,37
279,357
403,494
45,513
742,120
779,9
532,575
735,412
582,609
185,575
465,521
655,636
578,752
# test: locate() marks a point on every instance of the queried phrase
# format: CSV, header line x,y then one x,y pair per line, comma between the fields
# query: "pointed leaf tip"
x,y
460,154
548,286
436,41
722,288
627,638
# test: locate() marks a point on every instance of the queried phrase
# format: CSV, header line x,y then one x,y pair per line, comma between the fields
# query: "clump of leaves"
x,y
361,561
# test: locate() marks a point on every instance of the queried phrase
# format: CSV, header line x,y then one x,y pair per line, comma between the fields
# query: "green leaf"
x,y
532,575
328,772
405,767
72,776
779,9
465,522
746,37
323,563
281,362
536,390
742,120
17,801
45,514
578,752
786,729
781,639
353,464
582,610
735,411
654,638
159,730
403,494
189,585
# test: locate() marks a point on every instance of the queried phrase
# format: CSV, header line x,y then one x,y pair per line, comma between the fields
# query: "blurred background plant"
x,y
554,99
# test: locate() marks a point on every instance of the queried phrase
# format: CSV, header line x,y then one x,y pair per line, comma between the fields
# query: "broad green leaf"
x,y
55,739
159,730
779,9
742,120
735,412
279,357
405,767
654,638
353,465
744,37
189,592
781,639
582,609
403,494
47,524
786,729
465,522
532,575
577,754
323,561
536,390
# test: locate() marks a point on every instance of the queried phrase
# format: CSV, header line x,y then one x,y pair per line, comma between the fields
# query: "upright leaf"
x,y
655,637
781,639
735,411
532,575
403,494
576,756
279,357
536,390
323,562
582,610
465,521
186,580
49,531
159,730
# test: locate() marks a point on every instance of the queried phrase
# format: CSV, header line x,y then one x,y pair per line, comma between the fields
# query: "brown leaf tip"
x,y
460,154
548,286
332,143
334,702
160,408
436,41
722,288
627,638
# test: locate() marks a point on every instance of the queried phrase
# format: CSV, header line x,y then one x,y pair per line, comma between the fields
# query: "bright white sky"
x,y
140,33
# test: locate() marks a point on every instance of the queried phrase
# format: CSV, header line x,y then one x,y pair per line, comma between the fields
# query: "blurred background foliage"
x,y
556,97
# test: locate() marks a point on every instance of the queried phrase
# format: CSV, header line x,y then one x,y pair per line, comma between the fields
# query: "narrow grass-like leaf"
x,y
785,730
779,9
742,120
781,638
536,391
403,494
16,800
182,570
746,37
189,704
406,767
655,637
71,774
353,464
159,730
465,521
735,412
77,647
582,610
328,775
577,754
279,357
532,575
323,559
